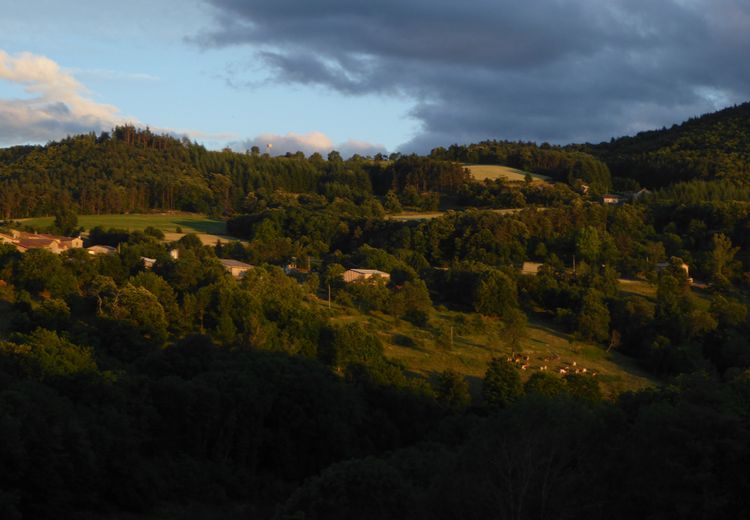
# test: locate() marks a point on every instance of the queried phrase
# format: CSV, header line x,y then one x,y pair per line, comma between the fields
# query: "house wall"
x,y
350,276
238,271
353,276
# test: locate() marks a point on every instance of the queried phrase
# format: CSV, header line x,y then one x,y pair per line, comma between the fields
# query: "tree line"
x,y
132,170
713,146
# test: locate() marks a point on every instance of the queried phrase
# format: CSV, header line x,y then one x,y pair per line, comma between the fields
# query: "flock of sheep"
x,y
562,367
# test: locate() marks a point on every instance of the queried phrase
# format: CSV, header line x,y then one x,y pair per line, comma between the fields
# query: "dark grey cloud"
x,y
547,70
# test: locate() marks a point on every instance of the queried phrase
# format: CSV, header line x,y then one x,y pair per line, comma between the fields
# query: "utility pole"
x,y
451,337
329,296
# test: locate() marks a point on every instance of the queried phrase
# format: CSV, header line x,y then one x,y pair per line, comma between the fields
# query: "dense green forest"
x,y
179,391
713,146
132,170
125,389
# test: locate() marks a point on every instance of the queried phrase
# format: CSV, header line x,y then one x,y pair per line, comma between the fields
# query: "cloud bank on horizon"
x,y
57,105
548,70
309,143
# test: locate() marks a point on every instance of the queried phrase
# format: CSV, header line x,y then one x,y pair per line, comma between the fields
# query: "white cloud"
x,y
58,104
308,144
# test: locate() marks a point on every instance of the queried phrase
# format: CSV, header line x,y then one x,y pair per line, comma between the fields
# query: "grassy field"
x,y
415,215
467,342
481,172
701,298
208,229
428,215
638,287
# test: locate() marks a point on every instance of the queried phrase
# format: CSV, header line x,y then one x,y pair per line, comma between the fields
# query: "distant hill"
x,y
561,164
133,170
713,146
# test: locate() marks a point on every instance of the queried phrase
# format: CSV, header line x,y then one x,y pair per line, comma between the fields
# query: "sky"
x,y
368,76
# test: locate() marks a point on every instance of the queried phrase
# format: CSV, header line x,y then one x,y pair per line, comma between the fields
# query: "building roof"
x,y
25,241
227,262
369,271
32,242
24,234
101,249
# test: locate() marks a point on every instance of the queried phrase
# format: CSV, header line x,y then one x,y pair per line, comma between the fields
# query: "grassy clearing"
x,y
639,288
408,215
475,341
167,222
429,215
208,229
481,172
647,290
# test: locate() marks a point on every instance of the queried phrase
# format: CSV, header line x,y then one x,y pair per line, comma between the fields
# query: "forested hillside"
x,y
525,352
712,146
135,170
180,388
561,164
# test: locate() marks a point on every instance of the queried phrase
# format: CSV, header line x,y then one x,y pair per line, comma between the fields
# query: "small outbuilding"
x,y
531,268
613,199
235,267
55,244
356,275
101,250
